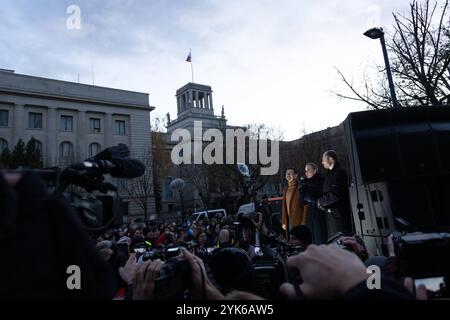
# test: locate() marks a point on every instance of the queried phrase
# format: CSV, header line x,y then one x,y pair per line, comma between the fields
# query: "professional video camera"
x,y
96,201
425,257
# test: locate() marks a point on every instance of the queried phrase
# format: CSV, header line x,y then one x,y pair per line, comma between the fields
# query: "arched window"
x,y
65,150
3,145
94,148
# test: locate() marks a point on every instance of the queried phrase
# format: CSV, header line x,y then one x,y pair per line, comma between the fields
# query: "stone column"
x,y
190,99
109,131
206,101
18,123
82,131
196,100
178,104
52,143
211,102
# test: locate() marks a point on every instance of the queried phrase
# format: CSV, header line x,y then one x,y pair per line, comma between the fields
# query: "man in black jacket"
x,y
311,191
335,199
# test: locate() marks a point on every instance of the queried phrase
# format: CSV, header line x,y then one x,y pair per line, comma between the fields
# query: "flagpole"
x,y
192,66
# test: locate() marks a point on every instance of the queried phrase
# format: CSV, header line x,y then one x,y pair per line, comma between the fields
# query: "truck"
x,y
399,169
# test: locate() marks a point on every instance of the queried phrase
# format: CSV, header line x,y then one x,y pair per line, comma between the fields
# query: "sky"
x,y
267,61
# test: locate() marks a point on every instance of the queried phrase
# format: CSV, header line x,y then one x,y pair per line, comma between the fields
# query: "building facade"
x,y
72,121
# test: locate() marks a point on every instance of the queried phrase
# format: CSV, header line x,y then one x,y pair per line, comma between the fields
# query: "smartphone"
x,y
435,286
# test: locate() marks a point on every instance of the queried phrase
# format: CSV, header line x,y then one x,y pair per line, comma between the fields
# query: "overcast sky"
x,y
268,61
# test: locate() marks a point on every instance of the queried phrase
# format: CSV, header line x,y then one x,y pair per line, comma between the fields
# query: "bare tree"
x,y
140,190
420,54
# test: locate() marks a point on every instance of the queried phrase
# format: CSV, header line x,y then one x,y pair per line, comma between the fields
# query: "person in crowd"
x,y
200,249
263,222
335,200
232,269
293,211
311,191
137,238
214,236
224,239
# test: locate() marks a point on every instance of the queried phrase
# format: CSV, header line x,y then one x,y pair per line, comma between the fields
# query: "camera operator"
x,y
40,238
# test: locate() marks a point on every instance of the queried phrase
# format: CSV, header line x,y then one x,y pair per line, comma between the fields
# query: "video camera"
x,y
83,185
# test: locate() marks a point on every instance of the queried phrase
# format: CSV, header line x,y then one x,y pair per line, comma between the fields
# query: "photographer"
x,y
142,278
263,222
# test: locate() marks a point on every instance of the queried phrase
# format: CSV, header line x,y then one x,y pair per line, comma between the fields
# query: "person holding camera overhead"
x,y
293,211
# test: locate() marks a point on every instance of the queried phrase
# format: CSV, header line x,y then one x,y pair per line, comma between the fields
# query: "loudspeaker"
x,y
402,142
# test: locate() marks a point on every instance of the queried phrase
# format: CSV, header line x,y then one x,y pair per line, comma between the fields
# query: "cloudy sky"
x,y
268,61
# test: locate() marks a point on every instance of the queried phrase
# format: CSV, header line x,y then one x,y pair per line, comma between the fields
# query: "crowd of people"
x,y
41,237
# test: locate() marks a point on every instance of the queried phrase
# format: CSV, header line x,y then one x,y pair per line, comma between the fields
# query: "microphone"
x,y
115,152
118,168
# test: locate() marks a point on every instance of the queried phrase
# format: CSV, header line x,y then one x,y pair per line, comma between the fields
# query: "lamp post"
x,y
378,33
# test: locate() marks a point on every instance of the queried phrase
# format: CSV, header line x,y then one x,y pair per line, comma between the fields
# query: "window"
x,y
94,148
35,120
3,145
65,150
66,123
94,124
4,118
120,127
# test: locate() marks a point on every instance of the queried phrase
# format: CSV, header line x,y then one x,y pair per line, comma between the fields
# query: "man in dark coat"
x,y
311,190
335,200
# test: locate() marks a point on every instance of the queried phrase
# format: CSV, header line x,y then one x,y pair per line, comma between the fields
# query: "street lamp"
x,y
378,33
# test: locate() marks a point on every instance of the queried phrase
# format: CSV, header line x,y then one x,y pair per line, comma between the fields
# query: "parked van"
x,y
210,214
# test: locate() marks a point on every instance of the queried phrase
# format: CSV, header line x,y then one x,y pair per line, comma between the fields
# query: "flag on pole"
x,y
189,59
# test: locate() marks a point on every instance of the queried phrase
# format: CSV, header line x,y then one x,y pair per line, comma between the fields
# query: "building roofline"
x,y
76,97
192,85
